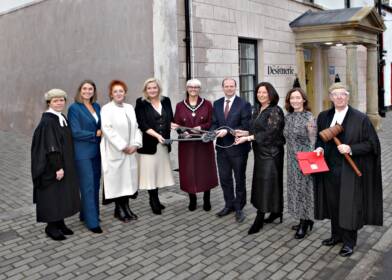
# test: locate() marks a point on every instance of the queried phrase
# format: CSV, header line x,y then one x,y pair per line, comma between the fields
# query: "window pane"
x,y
250,66
250,51
244,83
247,83
247,69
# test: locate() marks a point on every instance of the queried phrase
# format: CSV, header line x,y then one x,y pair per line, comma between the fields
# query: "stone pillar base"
x,y
375,120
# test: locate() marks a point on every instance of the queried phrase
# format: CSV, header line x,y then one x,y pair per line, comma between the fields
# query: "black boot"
x,y
154,202
303,228
159,202
63,228
54,232
192,201
206,201
131,215
272,217
120,212
258,223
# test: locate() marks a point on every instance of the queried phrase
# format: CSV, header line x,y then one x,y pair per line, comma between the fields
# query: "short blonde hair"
x,y
148,81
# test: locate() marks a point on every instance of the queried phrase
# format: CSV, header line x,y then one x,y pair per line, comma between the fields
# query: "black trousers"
x,y
235,198
349,237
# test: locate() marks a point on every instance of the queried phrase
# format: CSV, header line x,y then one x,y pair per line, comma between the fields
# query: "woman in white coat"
x,y
121,138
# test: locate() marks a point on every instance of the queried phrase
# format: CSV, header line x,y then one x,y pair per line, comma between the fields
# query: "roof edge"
x,y
21,7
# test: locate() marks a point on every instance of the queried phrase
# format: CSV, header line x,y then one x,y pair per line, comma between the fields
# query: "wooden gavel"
x,y
331,133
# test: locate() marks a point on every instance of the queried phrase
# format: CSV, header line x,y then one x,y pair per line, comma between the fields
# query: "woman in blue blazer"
x,y
85,122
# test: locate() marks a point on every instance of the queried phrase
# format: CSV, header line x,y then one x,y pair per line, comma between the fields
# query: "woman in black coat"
x,y
154,115
267,139
56,188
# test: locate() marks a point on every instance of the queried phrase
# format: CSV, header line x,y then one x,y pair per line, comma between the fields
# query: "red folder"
x,y
310,163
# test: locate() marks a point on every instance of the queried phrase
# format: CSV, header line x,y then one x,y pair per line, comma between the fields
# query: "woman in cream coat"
x,y
121,138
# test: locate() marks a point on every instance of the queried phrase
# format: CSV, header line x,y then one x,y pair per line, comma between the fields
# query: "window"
x,y
248,68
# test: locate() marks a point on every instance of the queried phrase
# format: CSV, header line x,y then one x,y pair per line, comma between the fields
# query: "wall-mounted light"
x,y
328,43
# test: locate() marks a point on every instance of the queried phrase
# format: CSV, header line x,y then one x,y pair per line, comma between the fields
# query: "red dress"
x,y
196,159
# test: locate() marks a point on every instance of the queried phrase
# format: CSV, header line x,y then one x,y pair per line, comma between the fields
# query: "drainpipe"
x,y
381,63
188,39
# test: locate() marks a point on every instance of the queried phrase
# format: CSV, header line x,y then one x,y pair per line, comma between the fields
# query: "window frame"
x,y
243,94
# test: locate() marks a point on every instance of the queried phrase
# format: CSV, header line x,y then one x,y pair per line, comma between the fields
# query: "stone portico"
x,y
348,27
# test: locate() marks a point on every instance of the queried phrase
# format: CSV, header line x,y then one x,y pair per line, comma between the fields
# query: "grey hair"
x,y
193,82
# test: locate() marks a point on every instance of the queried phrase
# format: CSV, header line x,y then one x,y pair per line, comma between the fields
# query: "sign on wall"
x,y
280,70
331,70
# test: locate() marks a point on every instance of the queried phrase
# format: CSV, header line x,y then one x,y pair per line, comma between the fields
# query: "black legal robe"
x,y
360,197
51,150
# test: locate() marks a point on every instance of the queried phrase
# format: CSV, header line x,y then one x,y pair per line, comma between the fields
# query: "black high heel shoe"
x,y
97,230
303,228
257,224
272,217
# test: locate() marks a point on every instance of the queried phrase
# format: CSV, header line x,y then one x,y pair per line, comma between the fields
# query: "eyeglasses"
x,y
192,87
340,94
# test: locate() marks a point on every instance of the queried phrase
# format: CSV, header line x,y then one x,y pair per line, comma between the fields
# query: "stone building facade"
x,y
59,43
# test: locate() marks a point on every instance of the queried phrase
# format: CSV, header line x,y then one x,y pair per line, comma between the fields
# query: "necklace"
x,y
193,108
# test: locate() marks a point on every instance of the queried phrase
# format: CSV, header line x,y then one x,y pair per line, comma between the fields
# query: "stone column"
x,y
299,53
352,74
166,61
326,83
372,87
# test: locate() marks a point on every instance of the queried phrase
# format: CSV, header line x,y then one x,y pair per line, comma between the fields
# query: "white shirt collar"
x,y
230,98
62,120
339,116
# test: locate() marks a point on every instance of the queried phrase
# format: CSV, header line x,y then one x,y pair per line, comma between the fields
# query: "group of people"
x,y
131,147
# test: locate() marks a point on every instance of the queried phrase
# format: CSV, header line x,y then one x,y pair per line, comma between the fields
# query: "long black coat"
x,y
360,197
51,150
267,183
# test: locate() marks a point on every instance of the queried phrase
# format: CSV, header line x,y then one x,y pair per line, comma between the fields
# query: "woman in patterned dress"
x,y
300,133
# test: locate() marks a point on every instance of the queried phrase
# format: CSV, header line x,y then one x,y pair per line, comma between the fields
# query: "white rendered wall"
x,y
388,59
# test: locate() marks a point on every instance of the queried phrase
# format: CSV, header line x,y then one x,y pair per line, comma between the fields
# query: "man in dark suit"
x,y
348,200
234,112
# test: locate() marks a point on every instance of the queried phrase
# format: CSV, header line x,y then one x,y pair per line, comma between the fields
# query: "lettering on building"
x,y
280,70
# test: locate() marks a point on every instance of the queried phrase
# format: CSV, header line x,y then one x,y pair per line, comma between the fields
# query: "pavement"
x,y
178,244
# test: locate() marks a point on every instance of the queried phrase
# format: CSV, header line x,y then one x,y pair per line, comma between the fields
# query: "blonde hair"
x,y
148,81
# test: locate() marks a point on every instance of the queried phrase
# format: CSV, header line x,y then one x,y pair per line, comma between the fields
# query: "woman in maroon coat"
x,y
196,159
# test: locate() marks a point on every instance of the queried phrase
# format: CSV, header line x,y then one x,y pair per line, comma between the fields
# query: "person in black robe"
x,y
348,200
55,184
